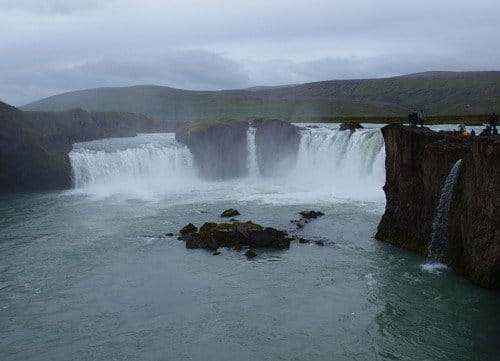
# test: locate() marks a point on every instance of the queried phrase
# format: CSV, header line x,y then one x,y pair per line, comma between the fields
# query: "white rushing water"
x,y
150,162
439,234
345,163
252,165
330,164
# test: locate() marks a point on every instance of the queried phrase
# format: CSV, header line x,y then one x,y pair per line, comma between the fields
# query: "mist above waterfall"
x,y
330,164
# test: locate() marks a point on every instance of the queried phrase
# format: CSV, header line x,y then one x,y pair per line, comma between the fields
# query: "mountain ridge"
x,y
437,93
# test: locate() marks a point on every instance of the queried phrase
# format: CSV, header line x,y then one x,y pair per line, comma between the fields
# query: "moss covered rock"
x,y
235,235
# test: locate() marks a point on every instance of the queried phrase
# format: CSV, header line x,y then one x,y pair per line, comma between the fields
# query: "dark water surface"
x,y
93,278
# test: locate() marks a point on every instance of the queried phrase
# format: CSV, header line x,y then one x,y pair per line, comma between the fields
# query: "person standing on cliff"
x,y
413,119
493,122
421,118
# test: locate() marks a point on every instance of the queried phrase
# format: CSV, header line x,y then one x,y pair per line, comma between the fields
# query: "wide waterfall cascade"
x,y
149,161
330,164
347,163
439,234
252,163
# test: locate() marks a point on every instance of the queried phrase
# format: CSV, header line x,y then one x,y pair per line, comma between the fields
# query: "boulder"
x,y
230,213
311,214
236,235
352,126
250,254
190,228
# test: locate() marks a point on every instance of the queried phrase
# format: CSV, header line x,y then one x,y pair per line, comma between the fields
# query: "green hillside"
x,y
437,93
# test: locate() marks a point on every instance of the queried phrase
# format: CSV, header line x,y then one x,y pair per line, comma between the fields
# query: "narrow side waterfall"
x,y
439,234
252,165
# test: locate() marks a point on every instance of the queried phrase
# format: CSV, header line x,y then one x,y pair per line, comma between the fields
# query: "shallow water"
x,y
88,274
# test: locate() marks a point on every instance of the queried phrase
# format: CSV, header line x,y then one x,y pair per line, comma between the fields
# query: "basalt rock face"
x,y
219,149
417,164
277,144
34,146
473,247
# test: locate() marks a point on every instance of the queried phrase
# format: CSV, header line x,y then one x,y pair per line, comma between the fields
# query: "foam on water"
x,y
433,267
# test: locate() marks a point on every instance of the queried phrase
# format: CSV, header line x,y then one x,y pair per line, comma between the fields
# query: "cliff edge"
x,y
418,163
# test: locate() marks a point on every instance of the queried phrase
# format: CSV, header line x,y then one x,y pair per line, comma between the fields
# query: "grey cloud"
x,y
49,7
189,69
59,45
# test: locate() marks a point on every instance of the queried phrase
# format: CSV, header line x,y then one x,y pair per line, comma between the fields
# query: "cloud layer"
x,y
52,46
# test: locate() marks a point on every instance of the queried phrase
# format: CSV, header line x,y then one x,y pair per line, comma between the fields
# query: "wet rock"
x,y
236,235
216,253
192,241
352,126
303,240
190,228
169,234
233,220
238,248
230,213
219,148
250,254
319,243
311,214
277,145
418,162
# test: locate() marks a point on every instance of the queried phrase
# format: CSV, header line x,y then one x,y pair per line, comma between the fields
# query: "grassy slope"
x,y
436,93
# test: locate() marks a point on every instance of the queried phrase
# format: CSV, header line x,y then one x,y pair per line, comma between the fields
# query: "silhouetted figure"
x,y
421,118
461,128
413,119
493,122
473,133
486,131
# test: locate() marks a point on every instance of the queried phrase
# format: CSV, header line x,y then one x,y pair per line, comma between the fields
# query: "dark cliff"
x,y
277,143
219,148
34,146
417,164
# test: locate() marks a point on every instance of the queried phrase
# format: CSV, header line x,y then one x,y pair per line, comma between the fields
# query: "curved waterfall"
x,y
439,234
153,160
344,162
329,161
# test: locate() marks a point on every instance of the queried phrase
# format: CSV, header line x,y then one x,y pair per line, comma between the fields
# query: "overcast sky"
x,y
52,46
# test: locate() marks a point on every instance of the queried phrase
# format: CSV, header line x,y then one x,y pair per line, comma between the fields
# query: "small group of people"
x,y
415,118
490,129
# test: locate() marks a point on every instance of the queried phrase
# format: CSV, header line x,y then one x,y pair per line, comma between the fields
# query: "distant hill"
x,y
437,93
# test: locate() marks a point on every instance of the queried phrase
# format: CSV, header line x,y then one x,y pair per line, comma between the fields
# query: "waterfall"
x,y
347,163
252,165
330,163
439,234
145,161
